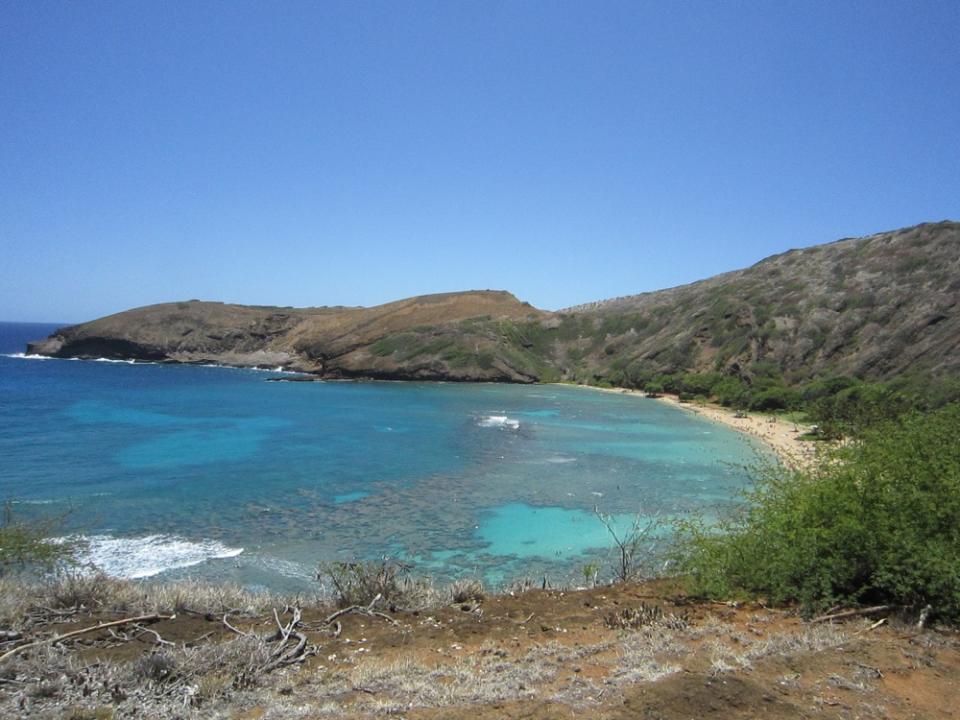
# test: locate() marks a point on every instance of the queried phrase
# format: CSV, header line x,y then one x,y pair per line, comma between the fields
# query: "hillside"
x,y
420,338
871,307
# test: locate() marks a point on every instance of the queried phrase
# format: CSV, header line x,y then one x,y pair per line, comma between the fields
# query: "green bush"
x,y
732,392
653,388
28,545
774,398
876,521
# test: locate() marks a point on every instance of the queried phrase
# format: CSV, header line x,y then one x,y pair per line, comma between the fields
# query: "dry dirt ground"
x,y
625,651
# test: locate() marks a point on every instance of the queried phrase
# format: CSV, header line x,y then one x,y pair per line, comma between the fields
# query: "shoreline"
x,y
780,436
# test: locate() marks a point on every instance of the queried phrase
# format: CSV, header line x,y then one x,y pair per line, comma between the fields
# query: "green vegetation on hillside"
x,y
877,520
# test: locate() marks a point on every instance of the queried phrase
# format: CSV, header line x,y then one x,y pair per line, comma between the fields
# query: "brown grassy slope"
x,y
873,307
335,342
419,338
600,653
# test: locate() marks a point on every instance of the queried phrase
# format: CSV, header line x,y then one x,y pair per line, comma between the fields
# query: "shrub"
x,y
731,392
28,545
361,583
775,398
877,521
468,590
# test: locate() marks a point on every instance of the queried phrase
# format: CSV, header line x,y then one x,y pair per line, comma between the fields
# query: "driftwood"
x,y
858,612
99,626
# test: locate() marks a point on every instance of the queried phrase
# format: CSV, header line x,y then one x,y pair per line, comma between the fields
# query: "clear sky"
x,y
354,153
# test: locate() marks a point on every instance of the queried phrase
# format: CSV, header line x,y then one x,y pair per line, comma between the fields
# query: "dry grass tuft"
x,y
24,601
645,655
645,615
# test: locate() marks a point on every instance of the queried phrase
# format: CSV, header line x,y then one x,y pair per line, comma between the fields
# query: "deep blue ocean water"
x,y
173,470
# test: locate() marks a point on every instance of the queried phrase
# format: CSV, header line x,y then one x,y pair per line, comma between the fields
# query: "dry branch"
x,y
232,628
283,654
858,612
99,626
160,641
361,610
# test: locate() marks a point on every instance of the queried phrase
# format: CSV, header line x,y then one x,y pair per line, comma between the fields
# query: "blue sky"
x,y
355,153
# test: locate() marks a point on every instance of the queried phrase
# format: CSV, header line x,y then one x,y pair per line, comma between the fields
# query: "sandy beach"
x,y
781,436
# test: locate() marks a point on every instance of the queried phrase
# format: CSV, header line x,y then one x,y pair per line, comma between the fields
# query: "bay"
x,y
174,470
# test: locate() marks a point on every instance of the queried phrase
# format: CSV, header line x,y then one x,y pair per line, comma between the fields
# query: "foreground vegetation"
x,y
877,520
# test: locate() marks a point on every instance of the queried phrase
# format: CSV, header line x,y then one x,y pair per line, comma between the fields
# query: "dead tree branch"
x,y
99,626
857,612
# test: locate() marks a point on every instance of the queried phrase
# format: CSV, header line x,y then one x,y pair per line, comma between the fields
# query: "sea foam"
x,y
500,421
25,356
142,557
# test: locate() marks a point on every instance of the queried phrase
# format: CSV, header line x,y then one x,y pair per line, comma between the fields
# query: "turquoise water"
x,y
184,470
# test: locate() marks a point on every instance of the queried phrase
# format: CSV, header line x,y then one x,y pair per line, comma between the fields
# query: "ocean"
x,y
170,471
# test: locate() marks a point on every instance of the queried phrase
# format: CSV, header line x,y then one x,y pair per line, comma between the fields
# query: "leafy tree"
x,y
653,388
731,392
774,398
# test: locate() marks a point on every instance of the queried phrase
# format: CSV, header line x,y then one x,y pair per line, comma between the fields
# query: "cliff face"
x,y
871,307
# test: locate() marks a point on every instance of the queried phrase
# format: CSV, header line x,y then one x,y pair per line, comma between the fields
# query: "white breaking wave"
x,y
276,370
500,421
24,356
142,557
130,361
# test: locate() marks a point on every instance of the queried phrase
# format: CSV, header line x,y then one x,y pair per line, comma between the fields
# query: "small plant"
x,y
467,591
590,573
